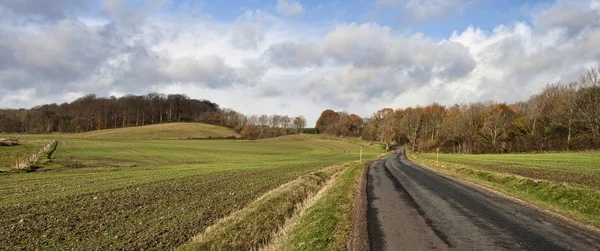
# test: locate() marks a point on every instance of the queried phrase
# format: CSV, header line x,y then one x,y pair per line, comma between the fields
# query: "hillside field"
x,y
137,194
164,131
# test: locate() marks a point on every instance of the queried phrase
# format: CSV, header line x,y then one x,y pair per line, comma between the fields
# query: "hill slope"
x,y
164,131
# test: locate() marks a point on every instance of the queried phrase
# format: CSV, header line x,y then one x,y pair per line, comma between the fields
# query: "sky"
x,y
294,57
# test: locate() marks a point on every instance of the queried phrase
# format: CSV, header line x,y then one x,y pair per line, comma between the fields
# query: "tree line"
x,y
90,113
561,117
259,126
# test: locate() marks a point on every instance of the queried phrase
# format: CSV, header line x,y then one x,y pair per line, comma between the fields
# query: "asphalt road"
x,y
413,208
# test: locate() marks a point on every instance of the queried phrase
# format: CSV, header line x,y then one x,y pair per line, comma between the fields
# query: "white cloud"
x,y
370,61
260,63
515,62
249,30
290,8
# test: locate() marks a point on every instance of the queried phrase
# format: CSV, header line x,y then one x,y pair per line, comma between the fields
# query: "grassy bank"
x,y
326,225
254,226
8,154
554,181
137,194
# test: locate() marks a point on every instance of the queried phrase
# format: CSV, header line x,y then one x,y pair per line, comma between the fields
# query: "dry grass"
x,y
164,131
326,224
255,226
281,237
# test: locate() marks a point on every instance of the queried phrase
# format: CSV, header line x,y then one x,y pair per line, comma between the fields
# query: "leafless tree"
x,y
299,124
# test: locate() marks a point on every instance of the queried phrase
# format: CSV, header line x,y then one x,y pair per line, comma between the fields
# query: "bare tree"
x,y
588,101
263,121
411,122
564,110
299,124
387,129
496,122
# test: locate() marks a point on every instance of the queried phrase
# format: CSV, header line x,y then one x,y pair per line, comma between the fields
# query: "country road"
x,y
413,208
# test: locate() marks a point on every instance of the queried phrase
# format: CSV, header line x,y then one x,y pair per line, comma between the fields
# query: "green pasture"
x,y
577,168
566,183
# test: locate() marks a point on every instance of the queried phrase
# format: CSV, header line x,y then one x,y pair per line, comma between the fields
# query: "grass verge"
x,y
579,203
327,224
254,226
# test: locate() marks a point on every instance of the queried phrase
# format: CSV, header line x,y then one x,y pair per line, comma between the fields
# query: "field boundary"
x,y
275,208
329,223
26,162
497,190
281,235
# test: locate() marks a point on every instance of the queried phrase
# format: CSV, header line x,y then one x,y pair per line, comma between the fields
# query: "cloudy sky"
x,y
294,57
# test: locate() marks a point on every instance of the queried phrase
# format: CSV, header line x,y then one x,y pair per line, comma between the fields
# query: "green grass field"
x,y
566,183
137,194
163,131
581,169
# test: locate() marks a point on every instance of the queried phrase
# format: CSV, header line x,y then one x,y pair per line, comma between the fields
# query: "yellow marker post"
x,y
437,158
360,159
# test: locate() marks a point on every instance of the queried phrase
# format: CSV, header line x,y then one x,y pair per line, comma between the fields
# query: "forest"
x,y
562,117
90,113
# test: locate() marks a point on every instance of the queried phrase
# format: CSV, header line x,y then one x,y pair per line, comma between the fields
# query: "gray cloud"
x,y
69,55
291,8
574,16
294,54
42,9
373,62
210,71
251,72
269,91
61,52
371,45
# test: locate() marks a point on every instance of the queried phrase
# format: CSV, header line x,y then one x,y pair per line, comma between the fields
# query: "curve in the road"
x,y
413,208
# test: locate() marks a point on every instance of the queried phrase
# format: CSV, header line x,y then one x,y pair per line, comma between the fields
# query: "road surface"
x,y
413,208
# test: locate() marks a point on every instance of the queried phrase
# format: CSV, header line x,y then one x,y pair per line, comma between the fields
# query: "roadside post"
x,y
437,158
360,159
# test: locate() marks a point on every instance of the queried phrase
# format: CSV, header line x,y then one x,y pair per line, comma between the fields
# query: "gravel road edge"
x,y
359,236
